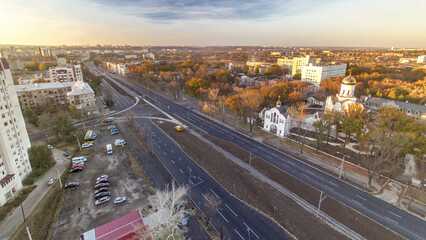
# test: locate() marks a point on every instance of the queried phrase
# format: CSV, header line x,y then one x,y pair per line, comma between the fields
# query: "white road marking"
x,y
310,172
305,175
355,201
214,193
251,230
165,153
361,197
172,150
165,144
285,164
395,214
392,220
189,168
290,163
206,198
239,234
172,161
200,178
332,183
231,210
181,170
222,216
332,189
180,158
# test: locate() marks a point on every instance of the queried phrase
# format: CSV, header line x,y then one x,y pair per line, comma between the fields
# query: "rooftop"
x,y
42,86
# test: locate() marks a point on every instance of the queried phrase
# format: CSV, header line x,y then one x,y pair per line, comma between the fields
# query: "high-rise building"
x,y
296,64
66,74
315,74
421,59
14,140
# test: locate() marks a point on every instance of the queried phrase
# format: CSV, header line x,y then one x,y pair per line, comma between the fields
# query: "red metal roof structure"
x,y
130,226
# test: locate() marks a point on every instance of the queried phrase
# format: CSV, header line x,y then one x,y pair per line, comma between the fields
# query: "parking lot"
x,y
79,212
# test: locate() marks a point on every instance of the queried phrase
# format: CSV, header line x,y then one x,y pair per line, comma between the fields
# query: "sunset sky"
x,y
363,23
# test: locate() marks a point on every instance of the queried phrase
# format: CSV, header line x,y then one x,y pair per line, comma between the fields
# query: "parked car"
x,y
88,142
66,154
101,185
94,135
179,128
119,142
120,200
82,158
50,146
80,165
102,177
115,132
104,189
72,185
51,181
102,194
105,107
102,181
76,169
87,145
102,200
111,127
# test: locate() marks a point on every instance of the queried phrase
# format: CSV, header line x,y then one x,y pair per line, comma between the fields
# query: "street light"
x,y
341,166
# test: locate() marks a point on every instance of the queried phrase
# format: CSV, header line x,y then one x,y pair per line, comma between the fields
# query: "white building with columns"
x,y
345,97
276,120
14,141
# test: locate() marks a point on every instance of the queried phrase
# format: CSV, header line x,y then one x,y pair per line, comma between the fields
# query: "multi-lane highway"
x,y
382,212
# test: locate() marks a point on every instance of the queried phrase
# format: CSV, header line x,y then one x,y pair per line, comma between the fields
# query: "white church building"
x,y
346,96
276,120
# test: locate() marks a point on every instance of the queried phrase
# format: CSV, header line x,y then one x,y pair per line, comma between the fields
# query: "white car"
x,y
119,142
86,145
82,158
50,146
51,181
120,200
102,177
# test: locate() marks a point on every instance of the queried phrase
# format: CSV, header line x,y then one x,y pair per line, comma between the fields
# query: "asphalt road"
x,y
382,212
236,219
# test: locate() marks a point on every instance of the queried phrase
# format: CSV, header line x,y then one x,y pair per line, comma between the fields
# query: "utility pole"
x,y
320,201
22,209
78,141
29,234
275,208
59,177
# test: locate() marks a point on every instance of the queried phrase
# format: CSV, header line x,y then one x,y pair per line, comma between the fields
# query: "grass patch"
x,y
10,206
417,194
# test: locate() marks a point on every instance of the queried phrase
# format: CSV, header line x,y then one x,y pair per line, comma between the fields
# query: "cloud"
x,y
187,10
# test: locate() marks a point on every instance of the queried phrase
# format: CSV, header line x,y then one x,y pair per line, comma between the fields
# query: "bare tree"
x,y
211,203
170,207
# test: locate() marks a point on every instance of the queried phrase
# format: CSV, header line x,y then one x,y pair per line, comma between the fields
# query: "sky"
x,y
346,23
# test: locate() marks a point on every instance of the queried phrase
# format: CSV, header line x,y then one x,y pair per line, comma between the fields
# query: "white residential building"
x,y
66,74
276,120
14,140
315,74
296,64
119,68
421,59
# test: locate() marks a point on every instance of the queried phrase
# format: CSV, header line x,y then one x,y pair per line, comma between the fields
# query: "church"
x,y
276,120
346,96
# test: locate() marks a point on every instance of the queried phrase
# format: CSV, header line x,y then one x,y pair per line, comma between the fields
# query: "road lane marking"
x,y
165,144
200,178
206,198
395,214
251,230
285,164
214,193
290,163
222,216
310,172
361,197
392,220
165,153
180,159
172,150
231,210
189,168
172,161
332,189
305,175
332,183
355,201
181,170
239,234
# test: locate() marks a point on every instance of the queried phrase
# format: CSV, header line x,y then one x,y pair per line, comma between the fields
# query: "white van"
x,y
119,142
109,149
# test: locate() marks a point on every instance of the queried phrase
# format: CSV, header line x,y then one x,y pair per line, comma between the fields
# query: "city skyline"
x,y
215,23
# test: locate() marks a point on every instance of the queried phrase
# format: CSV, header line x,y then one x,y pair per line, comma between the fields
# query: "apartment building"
x,y
69,73
119,68
40,96
315,74
296,64
14,140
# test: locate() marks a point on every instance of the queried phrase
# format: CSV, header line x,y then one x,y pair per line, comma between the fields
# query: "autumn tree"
x,y
320,127
195,85
295,97
251,101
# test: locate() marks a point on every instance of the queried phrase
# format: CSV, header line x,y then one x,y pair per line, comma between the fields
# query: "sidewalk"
x,y
11,223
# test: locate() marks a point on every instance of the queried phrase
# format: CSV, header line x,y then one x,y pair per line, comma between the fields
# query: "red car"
x,y
77,166
104,189
102,181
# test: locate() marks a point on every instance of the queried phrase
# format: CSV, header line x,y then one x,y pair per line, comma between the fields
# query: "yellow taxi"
x,y
179,128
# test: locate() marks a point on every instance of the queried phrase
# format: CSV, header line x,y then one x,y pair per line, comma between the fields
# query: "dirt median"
x,y
252,190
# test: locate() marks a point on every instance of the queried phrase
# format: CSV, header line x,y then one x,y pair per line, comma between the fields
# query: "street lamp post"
x,y
341,166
